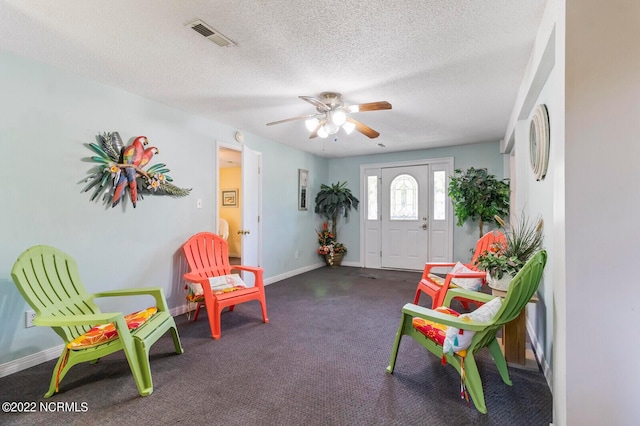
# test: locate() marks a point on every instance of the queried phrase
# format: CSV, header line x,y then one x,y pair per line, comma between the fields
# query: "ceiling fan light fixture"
x,y
338,116
331,128
332,114
311,124
348,127
322,132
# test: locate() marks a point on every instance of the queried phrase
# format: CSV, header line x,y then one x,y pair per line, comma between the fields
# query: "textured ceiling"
x,y
451,69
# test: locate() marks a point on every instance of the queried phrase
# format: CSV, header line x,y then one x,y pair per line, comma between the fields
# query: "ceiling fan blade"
x,y
364,129
314,134
320,106
300,117
371,106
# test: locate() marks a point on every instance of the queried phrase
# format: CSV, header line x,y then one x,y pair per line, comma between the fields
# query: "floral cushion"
x,y
432,330
436,279
453,339
103,333
219,285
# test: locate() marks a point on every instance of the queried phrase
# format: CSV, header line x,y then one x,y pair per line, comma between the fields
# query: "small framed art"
x,y
229,198
303,193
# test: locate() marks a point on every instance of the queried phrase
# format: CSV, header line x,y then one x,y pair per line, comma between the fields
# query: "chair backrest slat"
x,y
208,254
522,288
484,244
49,281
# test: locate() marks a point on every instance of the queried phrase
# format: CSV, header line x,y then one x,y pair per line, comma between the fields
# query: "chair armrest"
x,y
430,265
454,293
195,278
129,292
468,274
156,292
93,319
254,269
441,318
257,272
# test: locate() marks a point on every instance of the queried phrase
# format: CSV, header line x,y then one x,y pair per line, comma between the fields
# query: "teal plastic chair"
x,y
49,281
523,286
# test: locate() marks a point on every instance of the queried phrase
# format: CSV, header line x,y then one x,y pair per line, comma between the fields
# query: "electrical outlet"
x,y
28,318
297,254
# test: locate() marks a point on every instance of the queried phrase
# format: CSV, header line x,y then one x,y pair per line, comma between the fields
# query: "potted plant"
x,y
478,195
330,249
503,261
332,202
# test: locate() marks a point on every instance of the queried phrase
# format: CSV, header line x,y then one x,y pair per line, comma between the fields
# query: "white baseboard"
x,y
52,353
538,349
30,360
293,273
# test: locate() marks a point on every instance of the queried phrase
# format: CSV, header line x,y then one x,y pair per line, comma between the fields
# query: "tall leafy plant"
x,y
335,201
478,195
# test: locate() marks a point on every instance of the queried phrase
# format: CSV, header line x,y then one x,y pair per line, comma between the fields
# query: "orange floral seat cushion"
x,y
453,339
219,285
432,330
103,333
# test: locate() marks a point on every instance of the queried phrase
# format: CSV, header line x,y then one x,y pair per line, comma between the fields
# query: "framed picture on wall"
x,y
303,183
229,198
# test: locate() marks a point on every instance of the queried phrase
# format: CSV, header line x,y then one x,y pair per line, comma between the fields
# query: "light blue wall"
x,y
46,118
481,155
285,228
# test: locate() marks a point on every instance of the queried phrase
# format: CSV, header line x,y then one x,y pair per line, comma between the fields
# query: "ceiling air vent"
x,y
206,31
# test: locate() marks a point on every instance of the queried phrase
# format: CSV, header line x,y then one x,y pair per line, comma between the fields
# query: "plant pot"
x,y
501,284
334,261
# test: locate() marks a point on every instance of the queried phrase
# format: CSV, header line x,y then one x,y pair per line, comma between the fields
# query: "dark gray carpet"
x,y
319,361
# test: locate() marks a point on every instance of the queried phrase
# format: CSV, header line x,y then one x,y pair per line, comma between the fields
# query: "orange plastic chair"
x,y
208,256
436,286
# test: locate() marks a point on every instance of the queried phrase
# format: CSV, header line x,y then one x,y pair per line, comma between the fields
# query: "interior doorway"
x,y
229,212
239,203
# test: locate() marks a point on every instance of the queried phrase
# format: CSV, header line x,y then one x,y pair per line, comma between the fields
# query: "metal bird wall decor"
x,y
122,168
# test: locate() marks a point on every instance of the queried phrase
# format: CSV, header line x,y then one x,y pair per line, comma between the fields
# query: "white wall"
x,y
588,201
602,153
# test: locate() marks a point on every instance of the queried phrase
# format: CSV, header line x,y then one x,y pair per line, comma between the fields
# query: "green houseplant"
x,y
332,202
478,195
503,261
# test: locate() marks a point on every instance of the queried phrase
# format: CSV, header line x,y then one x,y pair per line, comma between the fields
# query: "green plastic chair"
x,y
49,281
523,286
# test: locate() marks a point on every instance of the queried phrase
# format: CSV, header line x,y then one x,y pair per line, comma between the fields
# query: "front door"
x,y
405,217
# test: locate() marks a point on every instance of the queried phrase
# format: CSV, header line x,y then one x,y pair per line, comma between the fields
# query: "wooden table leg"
x,y
514,338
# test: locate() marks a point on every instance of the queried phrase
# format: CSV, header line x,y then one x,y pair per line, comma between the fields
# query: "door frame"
x,y
217,189
447,162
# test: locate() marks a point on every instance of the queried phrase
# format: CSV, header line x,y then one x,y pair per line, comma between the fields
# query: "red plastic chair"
x,y
436,286
208,256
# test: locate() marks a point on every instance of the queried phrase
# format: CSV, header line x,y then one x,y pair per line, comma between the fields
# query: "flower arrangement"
x,y
497,263
523,240
328,245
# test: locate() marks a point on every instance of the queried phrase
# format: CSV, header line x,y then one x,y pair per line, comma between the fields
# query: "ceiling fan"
x,y
333,115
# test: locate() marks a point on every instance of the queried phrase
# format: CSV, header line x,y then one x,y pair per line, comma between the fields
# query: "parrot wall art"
x,y
121,168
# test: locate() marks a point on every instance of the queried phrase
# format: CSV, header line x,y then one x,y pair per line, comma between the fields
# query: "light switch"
x,y
199,203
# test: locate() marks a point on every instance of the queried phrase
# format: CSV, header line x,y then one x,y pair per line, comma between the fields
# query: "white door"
x,y
251,231
405,217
